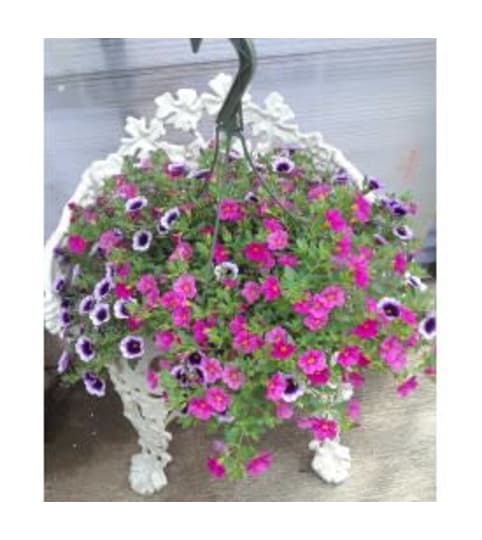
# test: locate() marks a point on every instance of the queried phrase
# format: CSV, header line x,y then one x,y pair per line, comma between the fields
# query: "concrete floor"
x,y
88,444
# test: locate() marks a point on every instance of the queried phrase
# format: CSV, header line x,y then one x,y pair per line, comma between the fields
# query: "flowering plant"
x,y
260,309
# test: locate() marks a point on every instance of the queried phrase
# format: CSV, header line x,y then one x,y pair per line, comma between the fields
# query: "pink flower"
x,y
221,254
318,307
303,306
315,323
408,316
324,428
152,379
335,220
256,252
250,292
368,329
407,387
185,285
357,380
213,369
371,304
284,411
393,352
181,317
89,216
282,350
146,283
349,356
199,408
319,378
333,296
247,342
217,399
343,246
233,378
215,467
277,240
77,244
108,240
182,252
230,210
164,340
362,208
199,331
122,291
353,409
400,263
270,289
125,189
430,370
123,270
171,300
311,361
237,324
275,335
288,260
318,192
361,277
133,324
259,464
272,225
275,387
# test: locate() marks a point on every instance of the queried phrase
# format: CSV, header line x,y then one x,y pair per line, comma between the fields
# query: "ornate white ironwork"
x,y
266,128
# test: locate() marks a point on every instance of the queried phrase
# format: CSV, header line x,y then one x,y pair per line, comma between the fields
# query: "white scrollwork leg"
x,y
148,413
331,461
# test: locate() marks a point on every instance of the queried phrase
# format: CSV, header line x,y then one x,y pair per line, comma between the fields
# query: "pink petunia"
x,y
164,340
185,285
181,317
277,240
282,350
349,356
400,263
335,220
199,408
407,387
221,254
353,409
215,467
217,399
233,378
312,361
288,260
315,323
318,307
77,244
275,335
182,252
171,300
133,324
108,240
237,324
368,329
408,316
393,352
275,387
371,304
343,246
270,289
259,464
324,428
256,252
123,270
247,342
333,296
318,192
319,378
213,369
302,306
152,379
122,291
272,225
362,208
250,292
357,380
146,283
125,189
230,210
284,411
199,331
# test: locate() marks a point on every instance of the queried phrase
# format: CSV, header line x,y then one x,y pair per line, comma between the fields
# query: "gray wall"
x,y
373,98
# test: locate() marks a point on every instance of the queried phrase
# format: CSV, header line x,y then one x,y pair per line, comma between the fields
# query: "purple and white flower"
x,y
65,318
292,390
141,240
379,239
120,309
63,362
169,218
201,174
427,327
100,314
390,307
131,347
283,165
195,358
373,183
225,417
85,349
226,270
135,204
181,375
251,197
397,208
59,283
415,282
86,305
94,385
177,169
102,288
341,178
403,232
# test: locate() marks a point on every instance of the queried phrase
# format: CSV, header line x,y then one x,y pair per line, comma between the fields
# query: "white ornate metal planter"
x,y
266,127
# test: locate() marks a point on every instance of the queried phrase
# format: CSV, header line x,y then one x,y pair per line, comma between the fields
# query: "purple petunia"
x,y
373,183
283,165
59,283
141,240
251,197
94,385
181,375
100,314
120,309
85,349
390,307
102,288
415,282
292,390
86,305
168,219
63,362
131,347
135,204
65,318
379,239
427,327
226,270
403,232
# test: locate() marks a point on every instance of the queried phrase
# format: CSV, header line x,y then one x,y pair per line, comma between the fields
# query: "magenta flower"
x,y
250,292
213,369
125,190
288,260
233,378
393,352
408,316
77,244
259,464
362,208
146,283
182,252
171,300
400,263
152,379
217,399
199,332
368,329
407,387
199,408
353,409
221,254
312,361
284,411
256,252
324,428
181,317
185,285
272,225
333,296
164,340
282,350
230,210
318,192
237,324
108,240
318,307
335,220
315,323
349,356
357,380
277,240
319,378
215,467
275,387
275,335
247,342
270,288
